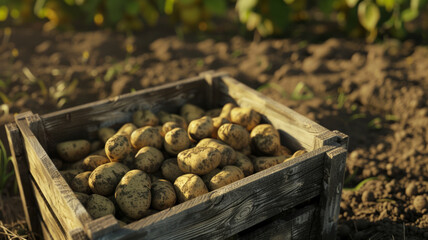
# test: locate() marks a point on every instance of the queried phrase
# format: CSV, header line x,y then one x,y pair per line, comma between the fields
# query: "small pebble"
x,y
368,196
420,203
411,189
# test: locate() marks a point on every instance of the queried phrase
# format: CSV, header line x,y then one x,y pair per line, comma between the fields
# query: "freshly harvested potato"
x,y
149,159
58,163
200,128
213,112
105,133
146,136
118,148
191,112
133,195
283,150
227,175
189,186
80,183
101,152
244,163
207,177
103,179
246,117
234,135
127,129
170,169
142,118
217,122
167,117
228,155
93,161
82,197
163,195
176,141
95,145
296,154
262,163
168,126
198,160
75,165
227,108
99,206
246,150
69,174
72,151
265,139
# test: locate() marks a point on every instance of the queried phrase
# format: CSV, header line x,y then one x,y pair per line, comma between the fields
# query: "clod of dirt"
x,y
411,189
368,196
420,203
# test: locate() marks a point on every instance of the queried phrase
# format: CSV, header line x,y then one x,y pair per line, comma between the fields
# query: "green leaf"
x,y
254,20
279,13
326,6
409,14
388,4
114,10
289,1
368,15
351,3
360,185
132,8
169,7
218,7
243,5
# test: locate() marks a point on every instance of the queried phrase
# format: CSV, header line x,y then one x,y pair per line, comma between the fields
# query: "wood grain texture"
x,y
70,212
299,132
102,226
237,206
36,126
46,234
334,172
22,174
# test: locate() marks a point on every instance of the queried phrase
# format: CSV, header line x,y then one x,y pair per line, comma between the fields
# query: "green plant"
x,y
4,167
360,185
302,92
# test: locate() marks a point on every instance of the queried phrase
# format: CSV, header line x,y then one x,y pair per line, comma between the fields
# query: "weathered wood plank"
x,y
71,214
334,172
22,174
36,126
46,234
102,226
237,206
299,132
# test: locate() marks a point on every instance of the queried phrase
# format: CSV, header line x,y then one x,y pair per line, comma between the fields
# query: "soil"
x,y
375,93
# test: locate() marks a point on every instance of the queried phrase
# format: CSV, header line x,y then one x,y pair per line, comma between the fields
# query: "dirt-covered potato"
x,y
170,169
93,161
99,206
191,112
246,150
82,197
246,117
228,155
146,136
176,141
189,186
80,183
265,139
198,160
227,175
133,195
217,122
118,148
262,163
213,112
69,174
207,177
105,133
244,163
127,129
234,135
142,118
168,126
72,151
283,150
200,128
167,117
148,159
95,145
225,111
101,152
103,179
74,165
163,195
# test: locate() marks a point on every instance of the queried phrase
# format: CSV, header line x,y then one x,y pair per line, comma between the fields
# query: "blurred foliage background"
x,y
372,19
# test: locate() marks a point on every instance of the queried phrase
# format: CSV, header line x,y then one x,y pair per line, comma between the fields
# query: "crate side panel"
x,y
237,206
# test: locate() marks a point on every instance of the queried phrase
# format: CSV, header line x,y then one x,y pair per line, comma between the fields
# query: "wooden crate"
x,y
298,199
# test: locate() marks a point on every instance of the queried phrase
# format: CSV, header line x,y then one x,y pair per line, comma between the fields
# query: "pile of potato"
x,y
160,160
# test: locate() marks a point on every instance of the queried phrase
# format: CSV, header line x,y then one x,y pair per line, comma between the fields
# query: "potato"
x,y
103,179
296,154
246,150
148,159
146,136
142,118
82,197
168,126
228,155
163,195
200,128
189,186
93,161
234,135
69,174
101,152
227,175
58,163
213,112
166,117
95,145
244,163
262,163
72,151
225,111
217,122
99,206
176,141
246,117
133,195
80,183
207,177
170,169
105,133
265,139
191,112
283,150
198,160
127,129
75,165
118,148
